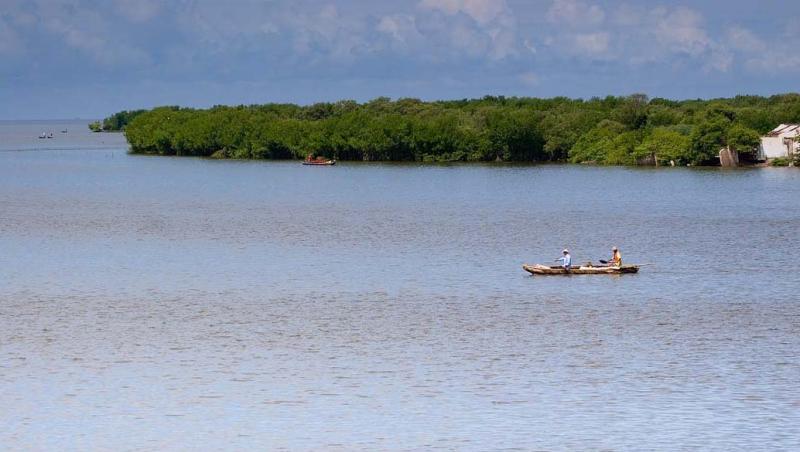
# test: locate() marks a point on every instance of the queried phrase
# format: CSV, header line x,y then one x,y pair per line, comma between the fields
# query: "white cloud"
x,y
584,46
636,35
764,58
575,13
138,10
331,34
492,34
402,32
627,16
482,11
592,43
744,40
530,46
720,59
773,63
89,32
681,31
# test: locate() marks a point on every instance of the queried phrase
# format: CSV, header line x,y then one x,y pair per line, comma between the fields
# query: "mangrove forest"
x,y
611,130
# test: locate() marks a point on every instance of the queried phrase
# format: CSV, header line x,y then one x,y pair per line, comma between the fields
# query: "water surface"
x,y
176,303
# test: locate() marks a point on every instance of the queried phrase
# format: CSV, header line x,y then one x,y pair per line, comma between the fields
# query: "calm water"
x,y
174,303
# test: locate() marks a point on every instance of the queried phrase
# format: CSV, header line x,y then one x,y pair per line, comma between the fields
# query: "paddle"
x,y
638,265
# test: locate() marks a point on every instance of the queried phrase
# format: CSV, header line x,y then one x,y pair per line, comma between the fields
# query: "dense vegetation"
x,y
611,130
116,122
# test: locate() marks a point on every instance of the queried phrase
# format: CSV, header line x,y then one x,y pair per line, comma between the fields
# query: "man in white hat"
x,y
566,260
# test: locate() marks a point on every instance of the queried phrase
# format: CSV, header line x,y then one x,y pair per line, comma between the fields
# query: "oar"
x,y
638,265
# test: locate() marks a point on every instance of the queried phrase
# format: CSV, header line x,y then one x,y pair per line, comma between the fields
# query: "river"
x,y
181,303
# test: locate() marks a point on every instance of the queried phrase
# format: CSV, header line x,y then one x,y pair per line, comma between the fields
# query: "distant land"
x,y
612,130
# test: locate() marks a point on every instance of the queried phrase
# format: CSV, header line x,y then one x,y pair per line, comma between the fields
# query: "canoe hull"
x,y
325,163
548,270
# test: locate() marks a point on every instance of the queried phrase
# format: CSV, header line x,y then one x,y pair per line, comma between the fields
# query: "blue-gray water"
x,y
173,303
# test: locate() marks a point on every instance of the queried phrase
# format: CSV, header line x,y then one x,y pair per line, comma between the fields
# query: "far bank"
x,y
605,131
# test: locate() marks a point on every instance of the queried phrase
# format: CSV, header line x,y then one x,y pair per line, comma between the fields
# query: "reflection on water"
x,y
163,303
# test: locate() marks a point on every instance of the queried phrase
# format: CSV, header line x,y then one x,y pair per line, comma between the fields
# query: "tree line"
x,y
116,122
611,130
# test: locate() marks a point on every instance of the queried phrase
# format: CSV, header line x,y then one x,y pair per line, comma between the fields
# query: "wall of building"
x,y
773,147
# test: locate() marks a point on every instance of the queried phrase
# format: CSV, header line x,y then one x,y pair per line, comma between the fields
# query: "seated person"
x,y
616,258
566,260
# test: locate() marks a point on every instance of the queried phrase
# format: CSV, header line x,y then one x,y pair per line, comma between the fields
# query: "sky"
x,y
91,58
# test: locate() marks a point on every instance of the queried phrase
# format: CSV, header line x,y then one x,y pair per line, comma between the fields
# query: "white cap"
x,y
566,250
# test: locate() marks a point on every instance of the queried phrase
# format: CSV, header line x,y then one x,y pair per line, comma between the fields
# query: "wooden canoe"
x,y
539,269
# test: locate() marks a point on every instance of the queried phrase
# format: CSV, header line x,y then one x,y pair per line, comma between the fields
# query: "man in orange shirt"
x,y
616,258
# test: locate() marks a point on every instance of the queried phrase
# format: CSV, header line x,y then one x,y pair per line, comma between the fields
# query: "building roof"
x,y
784,129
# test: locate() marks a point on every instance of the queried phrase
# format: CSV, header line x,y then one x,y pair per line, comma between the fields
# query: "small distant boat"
x,y
319,161
42,136
64,131
50,135
538,269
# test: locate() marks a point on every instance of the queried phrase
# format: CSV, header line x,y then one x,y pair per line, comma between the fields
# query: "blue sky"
x,y
90,58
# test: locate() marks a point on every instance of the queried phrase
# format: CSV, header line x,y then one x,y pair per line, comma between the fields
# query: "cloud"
x,y
720,59
402,33
446,30
583,46
528,44
482,11
331,35
592,43
492,33
138,10
634,36
681,31
762,57
10,43
744,40
575,13
627,15
87,31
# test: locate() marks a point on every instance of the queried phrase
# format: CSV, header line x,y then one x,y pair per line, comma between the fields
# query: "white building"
x,y
780,142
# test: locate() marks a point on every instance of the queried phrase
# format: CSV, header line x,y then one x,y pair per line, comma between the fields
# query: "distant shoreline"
x,y
628,131
497,164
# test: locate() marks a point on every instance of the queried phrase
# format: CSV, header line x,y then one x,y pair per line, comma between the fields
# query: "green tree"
x,y
742,139
632,112
666,144
607,143
708,138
